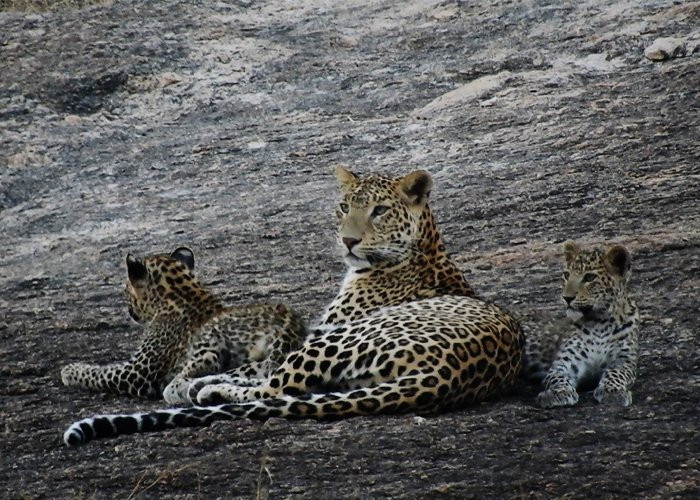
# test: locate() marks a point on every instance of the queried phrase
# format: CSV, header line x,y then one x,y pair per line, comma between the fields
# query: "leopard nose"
x,y
568,299
350,242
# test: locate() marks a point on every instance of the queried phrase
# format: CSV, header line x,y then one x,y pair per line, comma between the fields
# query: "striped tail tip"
x,y
84,431
74,436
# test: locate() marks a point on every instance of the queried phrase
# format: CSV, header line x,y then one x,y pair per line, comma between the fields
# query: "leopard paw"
x,y
176,393
554,398
614,397
214,395
200,383
72,374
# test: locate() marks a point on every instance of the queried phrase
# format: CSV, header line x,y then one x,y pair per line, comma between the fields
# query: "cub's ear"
x,y
184,255
618,260
135,269
416,186
345,177
571,250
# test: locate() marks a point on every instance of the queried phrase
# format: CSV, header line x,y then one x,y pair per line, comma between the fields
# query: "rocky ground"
x,y
137,127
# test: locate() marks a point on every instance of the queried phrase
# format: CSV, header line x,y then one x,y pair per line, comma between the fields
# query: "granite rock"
x,y
136,127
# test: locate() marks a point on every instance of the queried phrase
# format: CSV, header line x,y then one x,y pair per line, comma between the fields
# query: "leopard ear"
x,y
618,260
345,177
416,186
135,269
571,250
184,255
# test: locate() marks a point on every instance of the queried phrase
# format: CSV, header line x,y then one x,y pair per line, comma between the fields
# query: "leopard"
x,y
405,333
188,332
599,348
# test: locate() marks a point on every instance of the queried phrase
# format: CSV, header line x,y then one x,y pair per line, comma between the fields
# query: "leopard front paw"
x,y
200,383
614,396
73,374
554,398
215,394
176,393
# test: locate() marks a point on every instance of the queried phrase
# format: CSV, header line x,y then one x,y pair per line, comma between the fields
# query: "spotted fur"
x,y
601,348
404,334
393,257
544,335
189,333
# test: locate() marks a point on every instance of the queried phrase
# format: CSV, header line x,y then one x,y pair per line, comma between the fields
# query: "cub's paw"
x,y
221,379
74,373
198,384
613,397
216,394
554,398
176,393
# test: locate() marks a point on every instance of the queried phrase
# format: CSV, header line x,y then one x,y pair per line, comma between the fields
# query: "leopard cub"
x,y
189,333
601,349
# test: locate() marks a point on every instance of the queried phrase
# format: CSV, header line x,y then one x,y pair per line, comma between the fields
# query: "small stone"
x,y
348,41
257,145
169,78
275,422
418,420
413,127
223,58
27,158
518,241
443,488
665,48
72,119
442,14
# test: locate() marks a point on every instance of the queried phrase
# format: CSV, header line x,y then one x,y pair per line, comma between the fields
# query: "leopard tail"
x,y
399,396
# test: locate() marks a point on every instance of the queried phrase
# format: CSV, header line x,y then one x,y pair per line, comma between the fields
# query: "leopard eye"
x,y
566,275
588,277
344,207
379,210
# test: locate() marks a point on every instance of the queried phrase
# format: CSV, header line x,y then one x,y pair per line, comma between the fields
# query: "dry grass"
x,y
262,491
45,5
162,477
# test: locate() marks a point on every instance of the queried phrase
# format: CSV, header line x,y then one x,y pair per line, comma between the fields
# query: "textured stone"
x,y
583,139
665,48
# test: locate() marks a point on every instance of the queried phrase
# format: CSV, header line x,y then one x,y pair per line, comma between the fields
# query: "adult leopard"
x,y
188,333
405,333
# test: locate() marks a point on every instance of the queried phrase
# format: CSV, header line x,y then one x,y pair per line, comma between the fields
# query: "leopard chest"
x,y
366,296
594,348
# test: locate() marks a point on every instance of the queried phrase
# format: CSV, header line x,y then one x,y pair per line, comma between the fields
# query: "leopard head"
x,y
594,280
161,284
380,216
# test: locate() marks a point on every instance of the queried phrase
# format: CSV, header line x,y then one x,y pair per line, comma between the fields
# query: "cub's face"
x,y
593,280
159,284
379,217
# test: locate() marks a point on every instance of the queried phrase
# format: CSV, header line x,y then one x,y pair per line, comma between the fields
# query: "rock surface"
x,y
141,126
665,48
